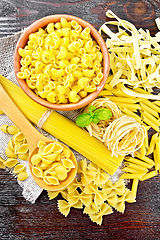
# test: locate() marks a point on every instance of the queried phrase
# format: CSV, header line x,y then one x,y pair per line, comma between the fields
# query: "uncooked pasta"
x,y
98,130
124,135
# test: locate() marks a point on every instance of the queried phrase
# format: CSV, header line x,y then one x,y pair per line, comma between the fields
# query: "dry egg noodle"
x,y
134,57
52,163
124,135
61,63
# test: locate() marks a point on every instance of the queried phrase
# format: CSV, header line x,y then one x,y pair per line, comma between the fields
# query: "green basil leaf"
x,y
95,120
91,109
83,120
103,113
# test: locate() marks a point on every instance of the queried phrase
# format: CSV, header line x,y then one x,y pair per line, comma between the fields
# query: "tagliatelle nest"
x,y
121,134
98,130
124,135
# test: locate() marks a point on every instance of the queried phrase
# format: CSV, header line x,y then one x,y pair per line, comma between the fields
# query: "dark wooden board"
x,y
20,219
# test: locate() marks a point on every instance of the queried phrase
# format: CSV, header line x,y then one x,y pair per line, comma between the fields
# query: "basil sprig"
x,y
94,115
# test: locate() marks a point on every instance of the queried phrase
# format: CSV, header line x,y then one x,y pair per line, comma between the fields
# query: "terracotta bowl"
x,y
42,23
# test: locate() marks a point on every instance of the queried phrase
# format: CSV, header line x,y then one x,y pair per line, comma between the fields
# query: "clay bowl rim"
x,y
42,23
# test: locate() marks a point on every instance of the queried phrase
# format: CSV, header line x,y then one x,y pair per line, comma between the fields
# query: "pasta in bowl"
x,y
61,62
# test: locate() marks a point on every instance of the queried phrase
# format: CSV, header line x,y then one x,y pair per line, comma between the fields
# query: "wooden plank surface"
x,y
21,220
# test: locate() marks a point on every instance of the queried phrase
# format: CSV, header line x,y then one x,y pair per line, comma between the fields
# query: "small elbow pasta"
x,y
63,52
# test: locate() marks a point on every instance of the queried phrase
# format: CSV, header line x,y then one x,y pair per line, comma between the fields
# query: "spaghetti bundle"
x,y
63,129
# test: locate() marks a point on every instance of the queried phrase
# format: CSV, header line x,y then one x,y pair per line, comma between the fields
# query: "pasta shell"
x,y
49,173
46,161
55,164
67,152
1,112
12,129
43,165
35,159
58,157
58,148
49,149
16,146
46,181
22,176
11,162
51,157
23,156
62,177
67,163
41,144
18,137
53,180
11,144
22,149
2,163
37,171
4,128
60,169
18,168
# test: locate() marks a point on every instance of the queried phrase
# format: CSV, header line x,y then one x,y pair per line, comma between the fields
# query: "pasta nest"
x,y
120,134
98,130
124,135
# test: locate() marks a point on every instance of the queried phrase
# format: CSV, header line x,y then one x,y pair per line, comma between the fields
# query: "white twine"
x,y
44,117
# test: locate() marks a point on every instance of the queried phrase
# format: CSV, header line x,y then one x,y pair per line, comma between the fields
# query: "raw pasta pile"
x,y
134,56
52,163
61,63
124,135
95,193
92,190
134,71
17,149
120,134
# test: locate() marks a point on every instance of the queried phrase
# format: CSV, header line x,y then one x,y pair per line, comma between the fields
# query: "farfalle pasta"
x,y
105,209
101,176
96,200
87,175
99,196
126,197
61,63
64,206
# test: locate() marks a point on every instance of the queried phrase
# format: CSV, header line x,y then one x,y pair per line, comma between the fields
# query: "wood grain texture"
x,y
21,220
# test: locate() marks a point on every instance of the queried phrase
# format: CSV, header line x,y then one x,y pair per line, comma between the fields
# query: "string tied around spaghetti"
x,y
43,119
